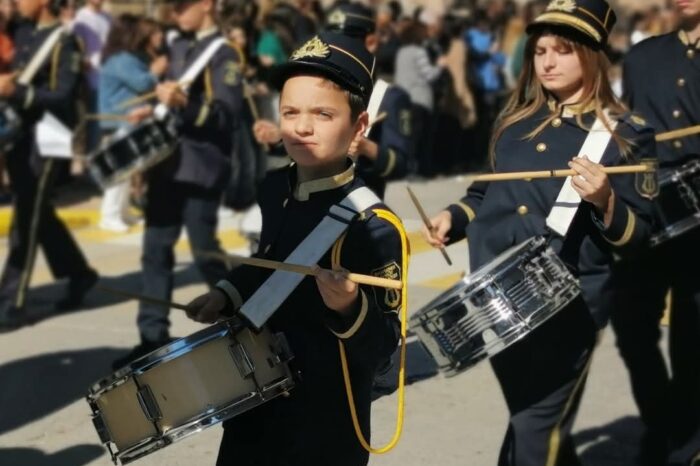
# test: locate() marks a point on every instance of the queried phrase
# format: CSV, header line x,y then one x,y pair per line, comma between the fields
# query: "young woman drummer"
x,y
562,90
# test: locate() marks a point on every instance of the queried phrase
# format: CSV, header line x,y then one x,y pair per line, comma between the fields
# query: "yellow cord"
x,y
390,217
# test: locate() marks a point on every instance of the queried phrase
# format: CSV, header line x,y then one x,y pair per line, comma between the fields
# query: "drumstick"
x,y
146,97
248,93
302,269
426,222
678,133
105,116
379,119
140,297
509,176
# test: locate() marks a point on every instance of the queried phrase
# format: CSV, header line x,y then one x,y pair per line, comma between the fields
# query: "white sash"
x,y
566,205
375,101
39,57
193,71
268,298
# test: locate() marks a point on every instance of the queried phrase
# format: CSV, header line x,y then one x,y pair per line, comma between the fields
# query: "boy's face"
x,y
315,121
29,8
190,14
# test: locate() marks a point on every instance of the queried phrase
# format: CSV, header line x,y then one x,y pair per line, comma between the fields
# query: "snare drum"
x,y
495,306
134,151
678,202
186,386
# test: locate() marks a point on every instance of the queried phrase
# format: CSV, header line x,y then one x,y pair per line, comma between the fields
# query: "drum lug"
x,y
242,360
101,428
148,403
280,347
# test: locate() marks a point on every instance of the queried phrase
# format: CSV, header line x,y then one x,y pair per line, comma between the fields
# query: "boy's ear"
x,y
361,125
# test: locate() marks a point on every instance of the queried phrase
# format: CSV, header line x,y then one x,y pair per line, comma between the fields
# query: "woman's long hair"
x,y
529,94
129,33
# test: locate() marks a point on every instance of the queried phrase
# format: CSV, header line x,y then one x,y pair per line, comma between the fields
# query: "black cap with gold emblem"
x,y
353,19
593,18
341,58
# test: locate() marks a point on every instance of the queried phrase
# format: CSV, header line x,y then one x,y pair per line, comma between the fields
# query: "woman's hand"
x,y
593,185
441,223
208,307
338,293
170,93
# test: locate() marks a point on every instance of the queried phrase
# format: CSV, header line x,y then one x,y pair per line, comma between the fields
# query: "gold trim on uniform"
x,y
683,36
358,322
230,291
303,190
583,10
468,210
203,114
29,97
206,32
647,184
337,17
392,271
390,164
314,48
369,73
48,25
629,230
638,120
568,20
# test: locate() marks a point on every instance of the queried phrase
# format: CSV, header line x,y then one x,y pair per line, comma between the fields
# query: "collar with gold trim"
x,y
570,110
683,36
47,25
203,34
305,189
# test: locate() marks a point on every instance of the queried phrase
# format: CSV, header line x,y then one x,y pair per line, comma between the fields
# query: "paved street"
x,y
46,368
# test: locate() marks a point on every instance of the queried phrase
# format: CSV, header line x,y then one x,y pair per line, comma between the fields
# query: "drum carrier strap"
x,y
193,71
568,201
375,101
268,298
37,61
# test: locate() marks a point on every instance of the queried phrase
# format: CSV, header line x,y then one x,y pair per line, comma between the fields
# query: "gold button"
x,y
522,210
541,147
676,114
681,82
284,203
690,53
677,144
267,248
556,122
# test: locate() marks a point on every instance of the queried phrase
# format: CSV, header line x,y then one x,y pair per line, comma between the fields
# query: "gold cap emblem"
x,y
562,5
337,17
312,48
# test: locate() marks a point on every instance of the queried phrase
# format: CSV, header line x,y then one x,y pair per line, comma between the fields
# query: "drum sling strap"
x,y
375,101
193,71
568,201
272,293
37,61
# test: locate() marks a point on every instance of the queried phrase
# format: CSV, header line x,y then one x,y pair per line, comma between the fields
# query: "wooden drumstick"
x,y
563,173
678,133
106,117
146,97
248,93
140,297
302,269
426,222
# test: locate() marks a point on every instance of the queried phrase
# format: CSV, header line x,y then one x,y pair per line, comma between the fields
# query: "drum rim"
x,y
164,354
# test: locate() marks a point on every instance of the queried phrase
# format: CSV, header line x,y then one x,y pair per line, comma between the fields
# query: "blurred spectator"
x,y
486,63
640,27
530,11
414,73
130,67
91,26
387,19
7,49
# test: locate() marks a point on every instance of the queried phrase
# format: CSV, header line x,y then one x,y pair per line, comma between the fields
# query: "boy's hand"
x,y
338,293
7,84
208,307
267,132
171,94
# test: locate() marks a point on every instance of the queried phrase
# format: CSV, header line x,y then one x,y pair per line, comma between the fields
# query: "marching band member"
x,y
562,91
52,90
326,86
186,188
662,84
382,155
